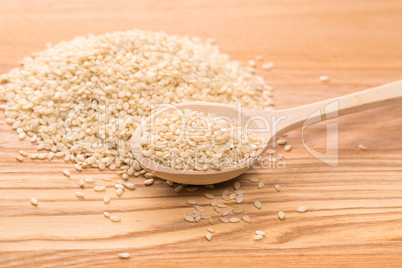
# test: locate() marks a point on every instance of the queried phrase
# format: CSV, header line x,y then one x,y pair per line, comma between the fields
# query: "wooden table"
x,y
354,213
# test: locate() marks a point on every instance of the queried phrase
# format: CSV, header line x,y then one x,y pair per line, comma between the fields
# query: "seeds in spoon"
x,y
199,133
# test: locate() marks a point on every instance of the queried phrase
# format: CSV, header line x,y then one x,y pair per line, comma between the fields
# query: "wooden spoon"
x,y
279,122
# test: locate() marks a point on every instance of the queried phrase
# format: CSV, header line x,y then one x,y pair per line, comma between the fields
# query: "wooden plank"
x,y
354,213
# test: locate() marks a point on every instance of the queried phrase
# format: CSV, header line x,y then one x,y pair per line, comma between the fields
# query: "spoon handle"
x,y
320,111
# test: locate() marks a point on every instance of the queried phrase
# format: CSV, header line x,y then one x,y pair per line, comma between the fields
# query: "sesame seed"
x,y
246,218
253,179
224,219
214,202
217,209
209,186
169,183
107,179
208,236
23,153
277,187
19,157
302,209
324,78
251,63
260,185
238,210
211,230
288,147
260,233
363,147
124,255
79,194
211,221
234,219
119,191
89,180
259,57
124,176
225,212
81,183
189,218
268,65
257,237
42,156
99,188
236,185
66,173
257,204
34,201
192,189
281,215
149,182
130,186
239,199
281,142
221,205
106,214
178,188
115,218
200,209
106,199
209,196
34,156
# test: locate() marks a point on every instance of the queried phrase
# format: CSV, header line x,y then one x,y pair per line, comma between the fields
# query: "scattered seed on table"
x,y
240,192
178,188
106,199
224,219
253,179
21,136
99,188
128,185
209,196
211,230
208,236
197,218
78,167
302,209
34,156
324,78
225,212
211,221
23,153
66,173
19,157
268,65
124,176
107,179
192,189
277,187
257,204
281,142
34,201
106,214
79,194
239,199
89,180
115,218
149,182
246,218
119,192
124,255
191,202
288,147
214,202
234,219
81,183
260,233
42,156
221,205
363,147
260,185
200,209
258,57
258,237
210,186
119,186
169,183
238,210
205,216
232,196
189,218
236,185
281,215
217,209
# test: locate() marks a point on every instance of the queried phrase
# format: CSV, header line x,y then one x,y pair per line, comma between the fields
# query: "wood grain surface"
x,y
354,213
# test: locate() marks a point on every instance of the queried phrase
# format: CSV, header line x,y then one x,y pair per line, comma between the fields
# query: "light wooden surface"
x,y
354,213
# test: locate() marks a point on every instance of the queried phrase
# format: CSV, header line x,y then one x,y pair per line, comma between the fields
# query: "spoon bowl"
x,y
266,125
